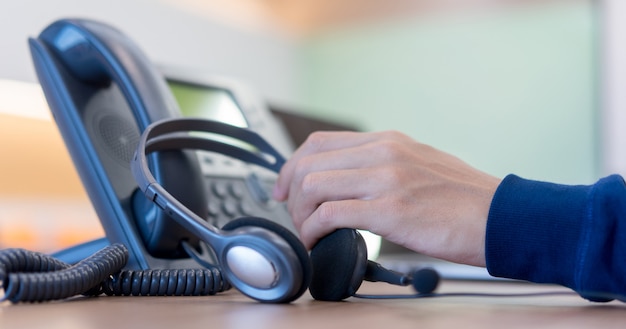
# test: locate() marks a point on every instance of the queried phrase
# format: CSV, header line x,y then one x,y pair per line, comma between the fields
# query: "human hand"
x,y
385,182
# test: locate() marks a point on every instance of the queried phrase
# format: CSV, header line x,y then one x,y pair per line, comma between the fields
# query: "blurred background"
x,y
525,87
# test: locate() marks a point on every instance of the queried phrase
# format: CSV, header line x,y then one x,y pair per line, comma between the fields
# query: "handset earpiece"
x,y
340,265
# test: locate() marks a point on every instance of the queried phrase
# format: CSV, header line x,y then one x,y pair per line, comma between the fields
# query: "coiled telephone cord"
x,y
28,276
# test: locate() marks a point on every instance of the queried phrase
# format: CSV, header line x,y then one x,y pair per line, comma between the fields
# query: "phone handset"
x,y
103,92
99,54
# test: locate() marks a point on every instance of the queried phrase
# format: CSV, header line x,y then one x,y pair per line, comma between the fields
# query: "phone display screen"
x,y
208,103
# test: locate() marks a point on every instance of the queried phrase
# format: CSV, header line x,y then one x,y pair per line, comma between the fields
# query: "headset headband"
x,y
173,134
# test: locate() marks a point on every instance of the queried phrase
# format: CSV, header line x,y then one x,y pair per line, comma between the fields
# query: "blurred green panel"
x,y
511,90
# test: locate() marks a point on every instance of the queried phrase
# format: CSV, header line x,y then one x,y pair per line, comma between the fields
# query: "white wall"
x,y
166,34
614,86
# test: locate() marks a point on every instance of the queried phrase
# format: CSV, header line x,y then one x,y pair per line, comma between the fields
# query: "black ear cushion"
x,y
339,262
291,238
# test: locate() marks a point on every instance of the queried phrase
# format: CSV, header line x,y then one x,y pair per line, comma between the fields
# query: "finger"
x,y
344,174
309,173
333,215
319,142
370,155
324,186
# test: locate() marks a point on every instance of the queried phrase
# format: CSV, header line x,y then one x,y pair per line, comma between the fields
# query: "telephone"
x,y
103,92
116,111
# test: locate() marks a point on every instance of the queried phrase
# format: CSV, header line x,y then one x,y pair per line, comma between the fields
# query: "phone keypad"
x,y
231,198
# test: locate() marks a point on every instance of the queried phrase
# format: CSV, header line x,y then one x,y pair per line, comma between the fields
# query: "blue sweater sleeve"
x,y
572,235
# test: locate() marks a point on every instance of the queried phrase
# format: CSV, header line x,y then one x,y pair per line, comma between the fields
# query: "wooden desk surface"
x,y
233,310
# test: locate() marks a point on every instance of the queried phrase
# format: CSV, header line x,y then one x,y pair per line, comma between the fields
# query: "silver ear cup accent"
x,y
251,267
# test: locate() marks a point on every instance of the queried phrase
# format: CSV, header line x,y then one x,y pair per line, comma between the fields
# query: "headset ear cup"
x,y
291,239
339,263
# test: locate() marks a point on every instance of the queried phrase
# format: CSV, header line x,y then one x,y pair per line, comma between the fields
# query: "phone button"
x,y
237,190
229,208
257,190
213,209
246,209
220,189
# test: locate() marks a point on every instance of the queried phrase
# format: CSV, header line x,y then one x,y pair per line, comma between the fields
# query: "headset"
x,y
260,258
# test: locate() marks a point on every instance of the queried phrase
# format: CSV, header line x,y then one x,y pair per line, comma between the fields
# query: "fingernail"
x,y
277,193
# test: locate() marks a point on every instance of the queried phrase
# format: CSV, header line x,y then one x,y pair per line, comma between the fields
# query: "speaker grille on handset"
x,y
120,137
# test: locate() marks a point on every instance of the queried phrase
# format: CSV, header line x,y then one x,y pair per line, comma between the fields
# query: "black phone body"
x,y
103,92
